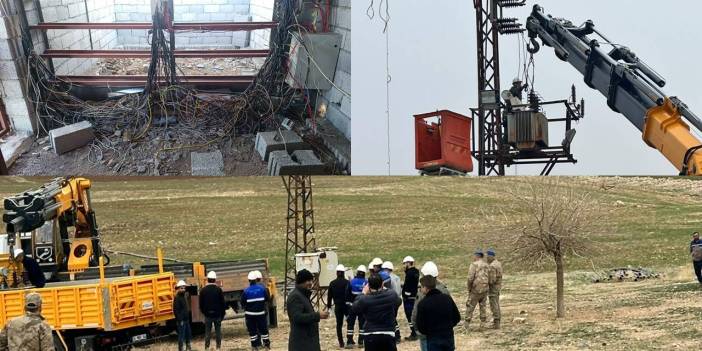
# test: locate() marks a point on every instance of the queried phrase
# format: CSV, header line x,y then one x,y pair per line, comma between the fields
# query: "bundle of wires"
x,y
163,96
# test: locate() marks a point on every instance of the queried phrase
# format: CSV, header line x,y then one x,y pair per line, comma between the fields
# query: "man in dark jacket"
x,y
409,292
304,321
437,314
696,254
31,269
337,297
379,306
254,300
213,307
181,310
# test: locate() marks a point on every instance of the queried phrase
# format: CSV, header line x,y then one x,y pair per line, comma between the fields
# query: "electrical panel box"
x,y
321,263
527,130
313,60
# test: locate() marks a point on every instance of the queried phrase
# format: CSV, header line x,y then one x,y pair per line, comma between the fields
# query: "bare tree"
x,y
551,221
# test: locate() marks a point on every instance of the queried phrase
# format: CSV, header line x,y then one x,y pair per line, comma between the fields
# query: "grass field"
x,y
647,223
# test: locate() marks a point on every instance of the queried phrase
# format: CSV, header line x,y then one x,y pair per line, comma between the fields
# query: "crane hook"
x,y
534,47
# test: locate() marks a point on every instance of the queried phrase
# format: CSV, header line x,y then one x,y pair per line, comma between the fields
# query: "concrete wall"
x,y
338,105
186,11
75,11
12,68
261,11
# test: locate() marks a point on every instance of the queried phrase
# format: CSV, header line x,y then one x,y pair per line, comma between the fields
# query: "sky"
x,y
433,66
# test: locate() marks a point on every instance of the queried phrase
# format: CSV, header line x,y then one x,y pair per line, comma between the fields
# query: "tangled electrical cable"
x,y
201,118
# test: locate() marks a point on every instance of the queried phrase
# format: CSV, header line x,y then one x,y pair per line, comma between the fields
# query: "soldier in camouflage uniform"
x,y
495,285
29,332
478,279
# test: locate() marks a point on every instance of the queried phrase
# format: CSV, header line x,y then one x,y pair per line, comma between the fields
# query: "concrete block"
x,y
279,157
309,162
273,141
207,163
71,137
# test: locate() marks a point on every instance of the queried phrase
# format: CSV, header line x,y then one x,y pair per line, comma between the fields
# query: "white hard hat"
x,y
408,259
517,80
340,268
431,269
181,283
388,265
362,268
18,252
252,275
376,262
212,275
259,275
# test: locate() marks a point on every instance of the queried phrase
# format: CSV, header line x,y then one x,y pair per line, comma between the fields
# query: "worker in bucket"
x,y
181,310
353,292
394,284
428,269
409,293
31,268
254,300
29,332
518,88
213,307
336,297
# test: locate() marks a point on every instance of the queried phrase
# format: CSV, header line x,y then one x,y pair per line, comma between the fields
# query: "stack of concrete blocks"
x,y
287,154
186,11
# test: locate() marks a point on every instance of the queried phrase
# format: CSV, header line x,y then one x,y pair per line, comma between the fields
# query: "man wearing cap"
x,y
213,307
254,300
353,292
29,332
31,269
428,269
696,254
379,306
478,284
393,283
409,292
304,320
336,297
181,310
375,266
494,287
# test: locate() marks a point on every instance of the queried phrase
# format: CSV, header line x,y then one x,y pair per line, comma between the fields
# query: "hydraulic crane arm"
x,y
62,207
632,88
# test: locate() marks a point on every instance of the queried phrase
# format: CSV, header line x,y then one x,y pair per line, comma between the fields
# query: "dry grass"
x,y
648,221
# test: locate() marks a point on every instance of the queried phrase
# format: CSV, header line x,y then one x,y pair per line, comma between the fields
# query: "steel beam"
x,y
135,81
209,26
147,54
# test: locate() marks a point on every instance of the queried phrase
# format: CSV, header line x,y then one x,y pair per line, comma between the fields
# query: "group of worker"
x,y
373,298
254,301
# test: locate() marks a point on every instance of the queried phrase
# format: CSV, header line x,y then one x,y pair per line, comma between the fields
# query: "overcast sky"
x,y
433,66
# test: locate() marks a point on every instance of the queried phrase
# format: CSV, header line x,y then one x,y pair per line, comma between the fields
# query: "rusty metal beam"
x,y
209,26
135,81
145,54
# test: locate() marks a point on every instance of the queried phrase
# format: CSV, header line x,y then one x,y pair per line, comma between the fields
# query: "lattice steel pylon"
x,y
491,154
300,225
